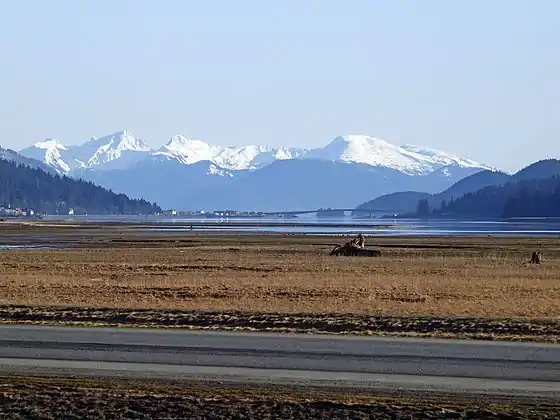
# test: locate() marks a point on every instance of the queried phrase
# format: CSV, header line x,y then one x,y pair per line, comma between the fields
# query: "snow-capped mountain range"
x,y
115,151
189,174
122,150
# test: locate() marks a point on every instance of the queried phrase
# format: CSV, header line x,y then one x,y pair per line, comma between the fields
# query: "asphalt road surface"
x,y
261,358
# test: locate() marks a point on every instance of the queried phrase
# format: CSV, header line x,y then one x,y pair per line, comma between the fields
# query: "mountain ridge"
x,y
299,184
103,153
190,174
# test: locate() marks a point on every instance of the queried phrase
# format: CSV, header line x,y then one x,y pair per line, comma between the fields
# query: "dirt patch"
x,y
545,330
42,398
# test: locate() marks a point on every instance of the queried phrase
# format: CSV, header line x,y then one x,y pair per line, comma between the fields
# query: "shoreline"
x,y
311,229
198,223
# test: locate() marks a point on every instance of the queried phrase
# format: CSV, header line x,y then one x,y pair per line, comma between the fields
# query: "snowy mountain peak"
x,y
49,144
50,152
369,150
410,159
242,157
360,139
355,146
283,153
180,142
121,140
115,151
187,150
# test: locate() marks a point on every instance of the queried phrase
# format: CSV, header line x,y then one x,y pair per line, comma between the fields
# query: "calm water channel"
x,y
313,225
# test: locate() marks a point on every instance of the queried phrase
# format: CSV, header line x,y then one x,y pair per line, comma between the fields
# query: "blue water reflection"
x,y
347,225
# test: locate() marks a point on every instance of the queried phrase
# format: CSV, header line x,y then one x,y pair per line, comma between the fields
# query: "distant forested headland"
x,y
31,188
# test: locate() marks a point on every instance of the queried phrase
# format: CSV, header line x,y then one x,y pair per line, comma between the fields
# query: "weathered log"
x,y
350,250
536,258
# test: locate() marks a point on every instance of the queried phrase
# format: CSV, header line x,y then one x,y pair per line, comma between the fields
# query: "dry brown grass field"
x,y
120,268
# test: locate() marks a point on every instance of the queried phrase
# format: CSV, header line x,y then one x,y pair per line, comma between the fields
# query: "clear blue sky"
x,y
479,78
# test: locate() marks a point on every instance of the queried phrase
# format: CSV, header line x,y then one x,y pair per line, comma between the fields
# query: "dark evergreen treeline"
x,y
534,191
535,198
26,187
406,202
526,198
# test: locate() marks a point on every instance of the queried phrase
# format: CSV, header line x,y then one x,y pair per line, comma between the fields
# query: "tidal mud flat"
x,y
49,398
102,274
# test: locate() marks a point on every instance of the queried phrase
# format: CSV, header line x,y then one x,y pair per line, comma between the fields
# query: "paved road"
x,y
418,364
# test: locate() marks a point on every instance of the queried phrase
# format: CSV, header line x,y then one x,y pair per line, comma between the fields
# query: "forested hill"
x,y
407,201
26,187
527,198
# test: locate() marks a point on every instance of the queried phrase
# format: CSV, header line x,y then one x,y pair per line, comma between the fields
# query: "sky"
x,y
477,78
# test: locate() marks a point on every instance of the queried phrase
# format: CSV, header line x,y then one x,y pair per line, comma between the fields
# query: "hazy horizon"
x,y
478,79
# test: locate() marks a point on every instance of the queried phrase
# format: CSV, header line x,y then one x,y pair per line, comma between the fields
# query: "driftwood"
x,y
353,251
536,258
361,252
359,241
355,248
